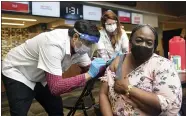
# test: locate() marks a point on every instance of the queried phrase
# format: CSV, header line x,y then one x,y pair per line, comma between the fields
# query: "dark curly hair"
x,y
151,28
85,27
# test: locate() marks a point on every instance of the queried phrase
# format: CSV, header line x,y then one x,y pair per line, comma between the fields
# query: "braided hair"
x,y
151,28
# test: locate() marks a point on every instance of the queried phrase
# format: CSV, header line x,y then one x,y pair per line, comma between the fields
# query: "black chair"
x,y
97,110
83,102
183,106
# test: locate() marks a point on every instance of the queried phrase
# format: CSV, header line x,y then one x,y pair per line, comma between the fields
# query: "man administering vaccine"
x,y
34,69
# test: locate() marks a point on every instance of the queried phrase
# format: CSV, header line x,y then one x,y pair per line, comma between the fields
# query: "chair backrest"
x,y
88,88
86,91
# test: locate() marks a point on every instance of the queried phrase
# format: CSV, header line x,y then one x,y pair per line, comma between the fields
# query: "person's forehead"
x,y
145,32
110,21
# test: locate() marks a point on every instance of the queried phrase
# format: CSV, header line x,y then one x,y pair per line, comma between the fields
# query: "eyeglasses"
x,y
111,23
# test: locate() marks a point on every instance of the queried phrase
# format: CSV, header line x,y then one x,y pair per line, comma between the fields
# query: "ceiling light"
x,y
20,19
19,24
128,32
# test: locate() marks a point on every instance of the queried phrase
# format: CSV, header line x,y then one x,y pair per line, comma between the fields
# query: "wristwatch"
x,y
128,90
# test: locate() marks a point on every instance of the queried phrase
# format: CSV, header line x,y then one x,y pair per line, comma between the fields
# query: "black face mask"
x,y
141,53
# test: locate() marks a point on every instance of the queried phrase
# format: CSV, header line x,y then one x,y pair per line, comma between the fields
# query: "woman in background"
x,y
113,38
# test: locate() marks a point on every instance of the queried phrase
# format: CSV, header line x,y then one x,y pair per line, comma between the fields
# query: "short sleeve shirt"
x,y
46,52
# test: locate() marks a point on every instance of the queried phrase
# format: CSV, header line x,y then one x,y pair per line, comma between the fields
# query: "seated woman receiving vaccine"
x,y
141,83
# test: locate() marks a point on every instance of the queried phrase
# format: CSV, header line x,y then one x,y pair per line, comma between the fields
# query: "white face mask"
x,y
111,28
82,50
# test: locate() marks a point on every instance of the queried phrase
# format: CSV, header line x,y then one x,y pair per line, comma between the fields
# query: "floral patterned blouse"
x,y
158,76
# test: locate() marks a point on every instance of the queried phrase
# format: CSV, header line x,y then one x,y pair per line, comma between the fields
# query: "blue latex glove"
x,y
113,57
95,67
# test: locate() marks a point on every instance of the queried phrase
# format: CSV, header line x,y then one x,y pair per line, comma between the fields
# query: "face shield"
x,y
87,43
89,38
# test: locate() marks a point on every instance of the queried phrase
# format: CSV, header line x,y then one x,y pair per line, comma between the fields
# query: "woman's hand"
x,y
121,85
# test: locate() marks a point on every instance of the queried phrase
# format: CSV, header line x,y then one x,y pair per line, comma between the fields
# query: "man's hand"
x,y
97,66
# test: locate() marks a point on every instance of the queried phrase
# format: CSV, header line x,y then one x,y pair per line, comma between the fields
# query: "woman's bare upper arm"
x,y
113,66
104,88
